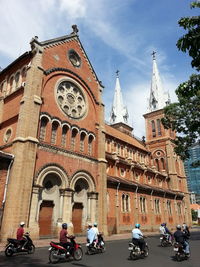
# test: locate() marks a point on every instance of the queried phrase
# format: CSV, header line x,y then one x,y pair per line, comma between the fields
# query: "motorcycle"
x,y
96,247
165,241
14,246
180,252
58,252
136,253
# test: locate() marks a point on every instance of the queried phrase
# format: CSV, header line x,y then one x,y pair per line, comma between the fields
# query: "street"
x,y
116,255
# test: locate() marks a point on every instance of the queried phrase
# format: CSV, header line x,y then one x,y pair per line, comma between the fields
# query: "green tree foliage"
x,y
194,215
183,117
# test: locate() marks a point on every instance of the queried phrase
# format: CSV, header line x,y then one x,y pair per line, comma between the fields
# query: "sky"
x,y
116,35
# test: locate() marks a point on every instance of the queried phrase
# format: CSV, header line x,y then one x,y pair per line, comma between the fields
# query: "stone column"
x,y
67,205
34,212
92,209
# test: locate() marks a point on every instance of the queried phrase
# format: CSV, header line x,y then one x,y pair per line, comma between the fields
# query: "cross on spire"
x,y
154,55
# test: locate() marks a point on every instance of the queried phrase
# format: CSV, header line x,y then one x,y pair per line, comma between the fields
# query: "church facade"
x,y
60,161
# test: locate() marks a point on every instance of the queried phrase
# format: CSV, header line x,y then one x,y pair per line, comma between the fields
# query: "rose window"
x,y
71,100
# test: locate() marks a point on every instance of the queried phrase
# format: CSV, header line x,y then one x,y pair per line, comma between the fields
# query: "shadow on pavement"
x,y
19,260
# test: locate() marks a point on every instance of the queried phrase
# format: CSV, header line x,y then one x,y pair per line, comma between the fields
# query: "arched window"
x,y
43,125
125,203
157,205
157,164
64,135
143,204
73,138
169,209
82,141
159,127
54,132
90,142
153,128
179,209
17,78
163,163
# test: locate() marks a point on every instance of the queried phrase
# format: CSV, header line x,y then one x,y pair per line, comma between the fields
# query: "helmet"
x,y
95,224
22,223
137,225
178,227
64,225
89,225
162,224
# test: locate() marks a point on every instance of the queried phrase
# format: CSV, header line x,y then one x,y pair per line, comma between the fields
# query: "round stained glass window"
x,y
71,99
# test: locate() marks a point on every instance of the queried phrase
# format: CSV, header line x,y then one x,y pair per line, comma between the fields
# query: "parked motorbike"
x,y
180,252
57,252
96,247
165,241
136,253
14,246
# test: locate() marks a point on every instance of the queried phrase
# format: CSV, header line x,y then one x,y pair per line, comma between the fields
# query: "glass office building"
x,y
192,169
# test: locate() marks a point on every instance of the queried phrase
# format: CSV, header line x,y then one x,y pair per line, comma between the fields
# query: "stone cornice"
x,y
54,149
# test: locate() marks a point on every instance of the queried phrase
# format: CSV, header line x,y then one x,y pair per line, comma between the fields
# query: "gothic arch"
x,y
56,169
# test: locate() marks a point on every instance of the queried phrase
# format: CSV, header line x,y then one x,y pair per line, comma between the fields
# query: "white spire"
x,y
119,112
158,98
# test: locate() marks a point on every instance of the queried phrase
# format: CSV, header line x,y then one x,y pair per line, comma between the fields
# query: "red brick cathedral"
x,y
59,160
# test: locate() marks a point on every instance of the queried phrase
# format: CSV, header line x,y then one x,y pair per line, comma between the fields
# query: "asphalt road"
x,y
116,255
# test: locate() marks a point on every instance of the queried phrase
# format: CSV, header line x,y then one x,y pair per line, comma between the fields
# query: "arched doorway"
x,y
49,211
80,207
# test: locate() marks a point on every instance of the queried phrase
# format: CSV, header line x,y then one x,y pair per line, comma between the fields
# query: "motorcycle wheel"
x,y
9,251
52,256
133,256
103,249
163,243
146,251
78,254
31,249
178,257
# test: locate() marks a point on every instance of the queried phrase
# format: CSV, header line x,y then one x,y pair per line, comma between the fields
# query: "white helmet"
x,y
22,223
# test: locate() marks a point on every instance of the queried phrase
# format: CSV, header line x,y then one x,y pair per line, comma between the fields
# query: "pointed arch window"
x,y
157,164
153,128
159,127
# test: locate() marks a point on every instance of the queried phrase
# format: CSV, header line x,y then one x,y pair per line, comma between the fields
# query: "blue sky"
x,y
116,34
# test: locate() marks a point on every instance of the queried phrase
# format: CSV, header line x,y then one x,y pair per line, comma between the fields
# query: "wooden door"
x,y
77,217
45,218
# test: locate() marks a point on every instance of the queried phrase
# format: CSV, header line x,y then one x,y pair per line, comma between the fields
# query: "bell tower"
x,y
159,139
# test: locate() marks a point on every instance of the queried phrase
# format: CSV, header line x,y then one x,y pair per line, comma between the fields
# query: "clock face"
x,y
71,99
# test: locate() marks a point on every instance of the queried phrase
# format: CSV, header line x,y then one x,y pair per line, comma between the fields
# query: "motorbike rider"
x,y
186,229
64,237
168,233
90,234
162,229
20,235
181,238
96,231
138,238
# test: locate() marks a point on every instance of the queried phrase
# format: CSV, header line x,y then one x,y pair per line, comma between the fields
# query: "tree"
x,y
183,117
